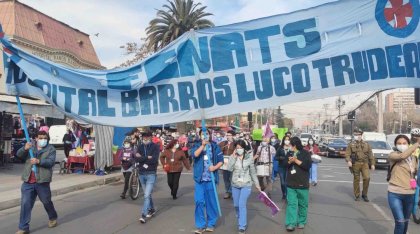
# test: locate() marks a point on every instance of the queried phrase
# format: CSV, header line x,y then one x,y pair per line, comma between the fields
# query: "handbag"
x,y
316,158
263,169
166,167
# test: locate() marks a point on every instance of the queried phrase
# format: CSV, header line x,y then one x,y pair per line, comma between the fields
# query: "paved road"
x,y
332,210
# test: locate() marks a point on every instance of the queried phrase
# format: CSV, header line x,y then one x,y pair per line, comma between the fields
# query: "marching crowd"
x,y
243,163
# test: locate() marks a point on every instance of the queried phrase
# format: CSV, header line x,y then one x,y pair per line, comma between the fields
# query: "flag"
x,y
269,203
268,133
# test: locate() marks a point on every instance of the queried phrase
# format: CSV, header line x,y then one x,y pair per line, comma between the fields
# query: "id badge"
x,y
126,154
172,160
293,172
240,179
145,166
206,157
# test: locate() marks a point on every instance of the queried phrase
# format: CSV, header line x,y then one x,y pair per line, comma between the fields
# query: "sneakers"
x,y
200,231
22,232
142,219
290,228
357,198
122,196
300,226
151,213
365,198
227,196
241,231
209,229
52,223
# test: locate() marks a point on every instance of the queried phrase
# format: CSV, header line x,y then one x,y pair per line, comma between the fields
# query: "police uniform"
x,y
363,157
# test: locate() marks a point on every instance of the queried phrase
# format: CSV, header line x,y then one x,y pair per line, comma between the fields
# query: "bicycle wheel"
x,y
134,186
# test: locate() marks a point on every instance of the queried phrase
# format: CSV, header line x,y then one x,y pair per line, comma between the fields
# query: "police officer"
x,y
358,156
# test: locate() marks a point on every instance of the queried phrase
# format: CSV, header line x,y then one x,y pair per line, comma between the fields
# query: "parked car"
x,y
57,133
381,150
333,147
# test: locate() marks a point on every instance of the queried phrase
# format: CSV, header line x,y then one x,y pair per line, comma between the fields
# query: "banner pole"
x,y
204,129
25,129
208,152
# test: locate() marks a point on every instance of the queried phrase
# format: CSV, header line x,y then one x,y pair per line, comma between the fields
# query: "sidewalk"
x,y
10,182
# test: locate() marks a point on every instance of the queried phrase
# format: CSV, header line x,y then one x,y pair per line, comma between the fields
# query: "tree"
x,y
367,117
139,51
178,17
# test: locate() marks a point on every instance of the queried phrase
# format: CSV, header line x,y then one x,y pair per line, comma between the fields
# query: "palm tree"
x,y
178,17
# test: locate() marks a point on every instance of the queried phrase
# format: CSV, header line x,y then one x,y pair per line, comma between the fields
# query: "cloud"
x,y
116,23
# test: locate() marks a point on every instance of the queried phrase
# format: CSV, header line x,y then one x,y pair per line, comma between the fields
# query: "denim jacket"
x,y
243,171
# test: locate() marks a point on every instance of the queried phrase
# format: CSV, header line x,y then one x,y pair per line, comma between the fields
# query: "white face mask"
x,y
311,142
358,138
126,146
42,143
286,142
402,148
273,140
264,143
240,151
304,143
176,146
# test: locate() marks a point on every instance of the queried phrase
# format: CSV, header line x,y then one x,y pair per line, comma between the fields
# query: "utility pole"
x,y
326,116
380,113
340,103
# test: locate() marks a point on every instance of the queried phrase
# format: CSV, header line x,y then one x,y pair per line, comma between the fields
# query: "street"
x,y
331,209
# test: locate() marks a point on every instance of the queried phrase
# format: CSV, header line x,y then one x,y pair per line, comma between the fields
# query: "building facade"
x,y
45,37
394,102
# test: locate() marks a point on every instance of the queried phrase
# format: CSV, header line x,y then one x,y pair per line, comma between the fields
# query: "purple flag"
x,y
269,203
268,133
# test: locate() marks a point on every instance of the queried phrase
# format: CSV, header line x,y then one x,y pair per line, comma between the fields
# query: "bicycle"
x,y
134,183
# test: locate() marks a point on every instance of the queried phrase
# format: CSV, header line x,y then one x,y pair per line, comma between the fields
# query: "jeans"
x,y
283,173
173,182
275,169
205,199
401,206
240,199
297,206
227,179
147,182
29,193
314,173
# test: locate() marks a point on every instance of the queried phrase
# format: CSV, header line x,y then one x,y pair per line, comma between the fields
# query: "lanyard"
x,y
145,151
409,161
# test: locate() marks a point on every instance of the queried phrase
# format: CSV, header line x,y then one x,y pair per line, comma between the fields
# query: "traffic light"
x,y
351,115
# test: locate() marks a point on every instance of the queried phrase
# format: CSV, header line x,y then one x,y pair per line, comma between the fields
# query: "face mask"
x,y
240,151
264,143
193,134
358,138
247,137
402,148
273,140
158,135
311,142
218,136
235,138
286,142
42,143
146,142
126,146
176,146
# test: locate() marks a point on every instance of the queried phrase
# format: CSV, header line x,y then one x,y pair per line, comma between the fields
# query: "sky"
x,y
119,22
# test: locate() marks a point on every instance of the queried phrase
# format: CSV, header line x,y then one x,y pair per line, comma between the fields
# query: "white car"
x,y
304,137
381,150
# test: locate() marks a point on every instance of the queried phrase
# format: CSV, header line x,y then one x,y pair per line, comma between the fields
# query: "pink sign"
x,y
269,203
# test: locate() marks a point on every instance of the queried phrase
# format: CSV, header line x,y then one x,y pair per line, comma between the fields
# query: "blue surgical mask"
x,y
42,143
240,151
